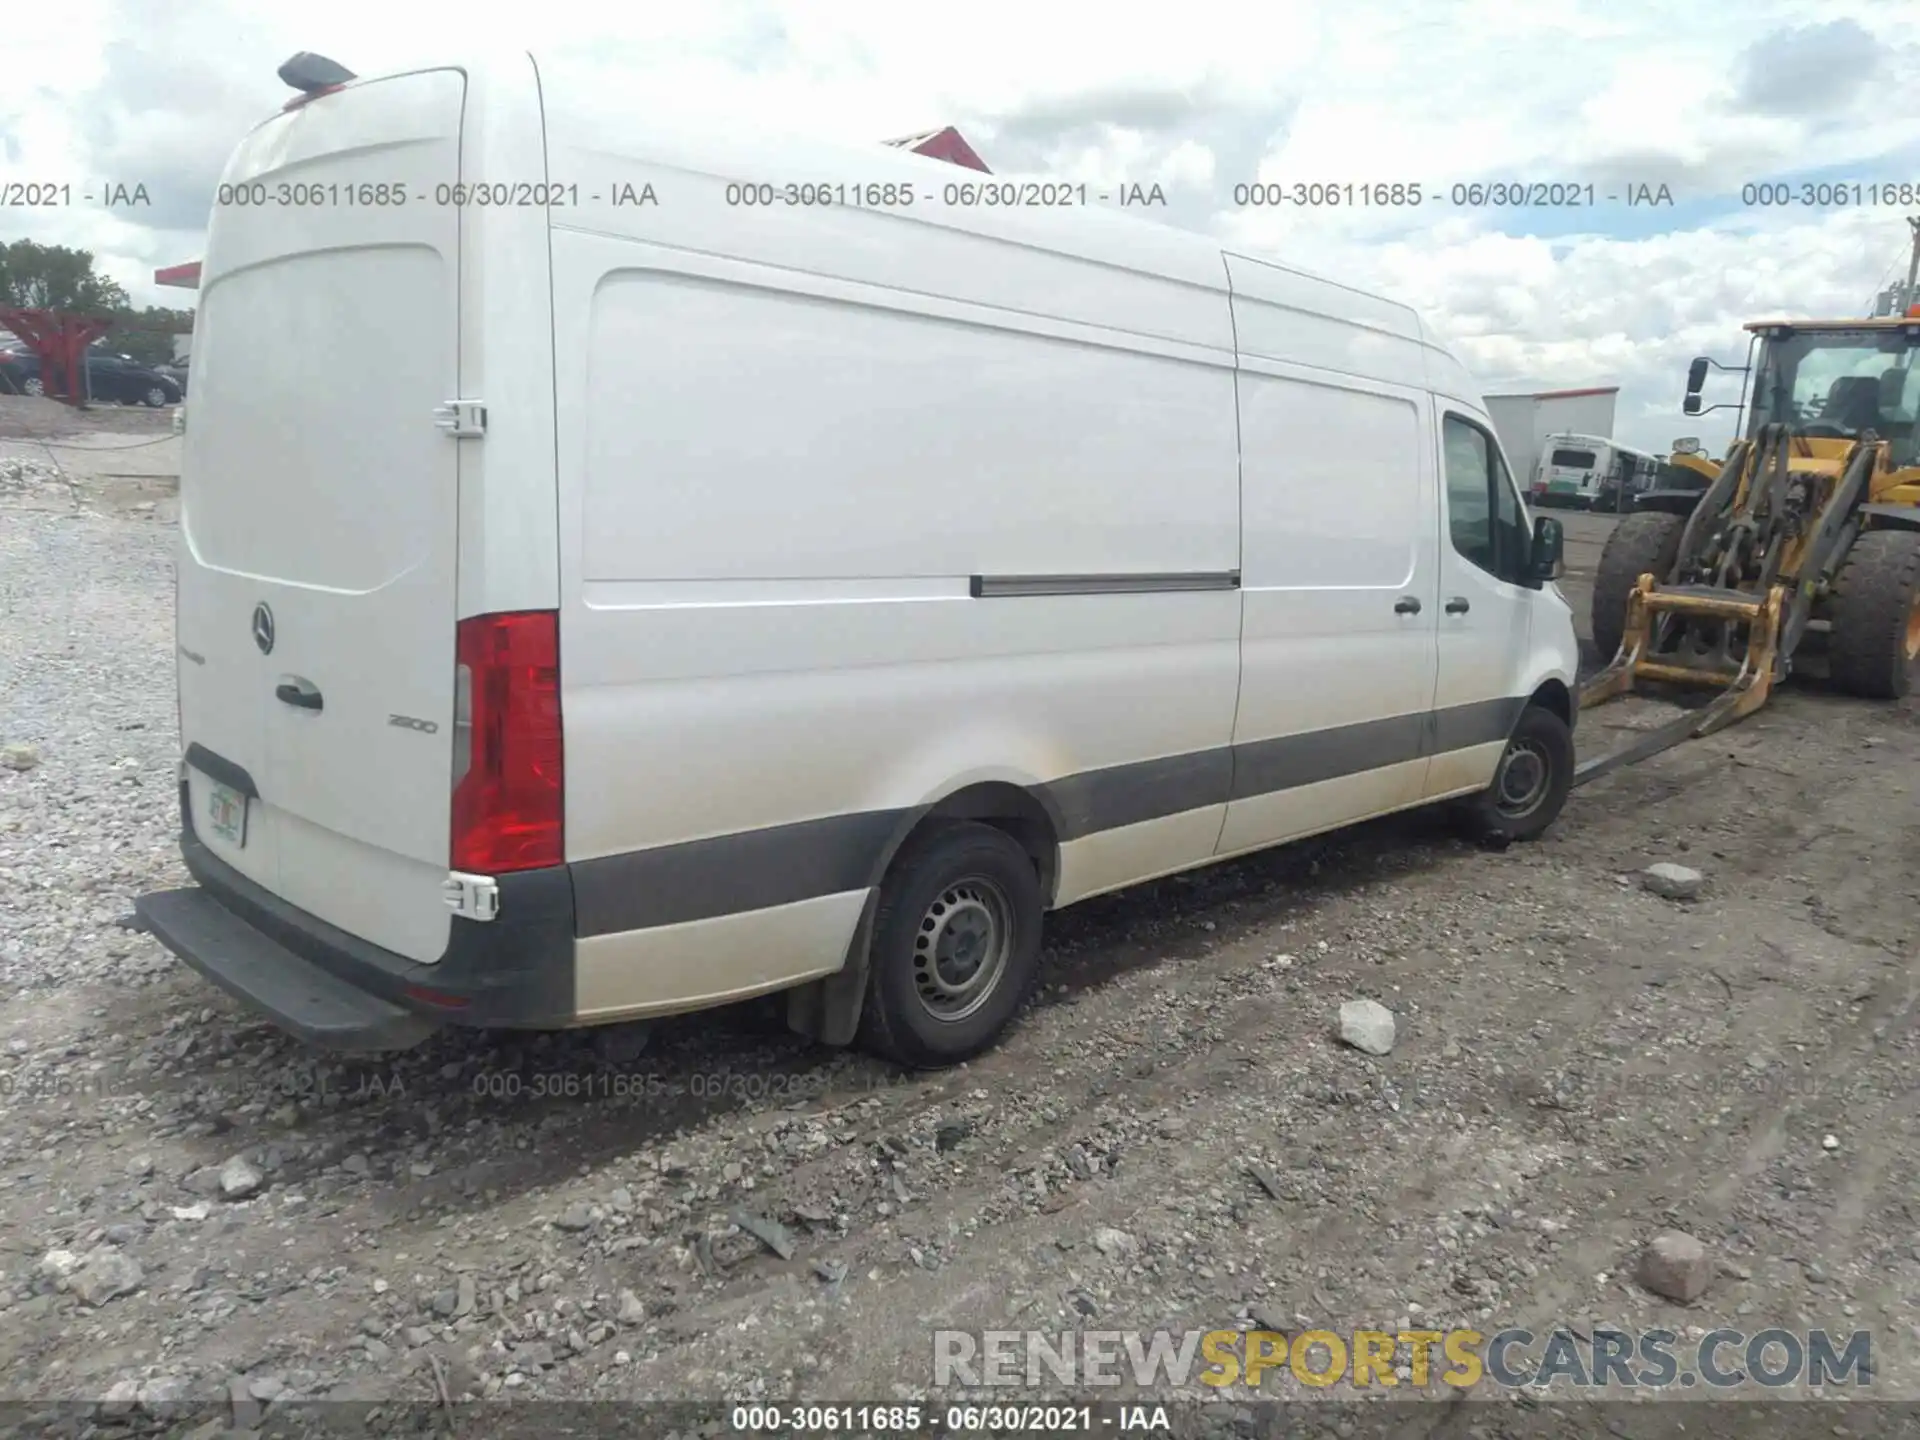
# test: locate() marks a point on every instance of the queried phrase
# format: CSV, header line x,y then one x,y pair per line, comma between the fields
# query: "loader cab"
x,y
1832,381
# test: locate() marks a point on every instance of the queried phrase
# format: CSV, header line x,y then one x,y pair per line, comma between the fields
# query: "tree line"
x,y
52,277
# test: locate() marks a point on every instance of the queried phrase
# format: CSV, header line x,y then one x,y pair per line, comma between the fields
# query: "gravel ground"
x,y
23,417
1171,1137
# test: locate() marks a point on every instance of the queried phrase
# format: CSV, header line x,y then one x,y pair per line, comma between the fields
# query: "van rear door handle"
x,y
303,694
1408,605
1458,605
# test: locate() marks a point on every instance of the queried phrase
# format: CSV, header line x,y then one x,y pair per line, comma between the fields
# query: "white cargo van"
x,y
1592,473
629,566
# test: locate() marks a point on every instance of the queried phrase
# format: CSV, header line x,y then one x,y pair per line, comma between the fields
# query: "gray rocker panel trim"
x,y
783,864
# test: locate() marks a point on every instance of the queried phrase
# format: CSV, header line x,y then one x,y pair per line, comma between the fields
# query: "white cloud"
x,y
1209,95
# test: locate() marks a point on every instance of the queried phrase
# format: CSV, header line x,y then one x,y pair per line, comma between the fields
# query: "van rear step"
x,y
253,967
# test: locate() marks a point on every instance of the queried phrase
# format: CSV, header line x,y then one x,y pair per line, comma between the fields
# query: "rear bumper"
x,y
337,991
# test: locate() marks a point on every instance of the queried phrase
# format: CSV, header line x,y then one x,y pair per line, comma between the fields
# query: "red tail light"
x,y
508,795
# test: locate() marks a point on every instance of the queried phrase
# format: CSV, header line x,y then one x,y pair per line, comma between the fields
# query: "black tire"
x,y
977,879
1643,541
1530,788
1875,614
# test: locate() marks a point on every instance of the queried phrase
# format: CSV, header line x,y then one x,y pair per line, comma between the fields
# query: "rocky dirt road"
x,y
117,459
1173,1136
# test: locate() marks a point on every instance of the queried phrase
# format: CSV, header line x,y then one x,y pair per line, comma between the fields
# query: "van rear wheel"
x,y
1531,785
955,949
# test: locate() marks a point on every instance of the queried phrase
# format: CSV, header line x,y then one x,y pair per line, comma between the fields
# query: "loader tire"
x,y
1647,542
1875,614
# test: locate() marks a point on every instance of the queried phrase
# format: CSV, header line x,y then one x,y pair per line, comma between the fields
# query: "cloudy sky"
x,y
1199,97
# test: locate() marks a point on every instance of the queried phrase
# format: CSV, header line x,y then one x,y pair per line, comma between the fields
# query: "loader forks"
x,y
1746,687
1758,550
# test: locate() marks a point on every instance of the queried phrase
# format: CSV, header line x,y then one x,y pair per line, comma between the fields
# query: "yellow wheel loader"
x,y
1696,466
1810,525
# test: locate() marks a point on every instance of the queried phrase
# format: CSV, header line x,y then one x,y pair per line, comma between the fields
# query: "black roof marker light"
x,y
313,76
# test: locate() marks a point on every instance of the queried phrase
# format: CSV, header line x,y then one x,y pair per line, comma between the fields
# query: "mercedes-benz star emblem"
x,y
263,628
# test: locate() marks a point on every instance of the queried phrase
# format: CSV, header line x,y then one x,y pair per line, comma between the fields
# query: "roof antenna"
x,y
312,74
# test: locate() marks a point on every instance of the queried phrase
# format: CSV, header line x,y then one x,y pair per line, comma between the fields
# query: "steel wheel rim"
x,y
33,386
156,397
1525,775
962,948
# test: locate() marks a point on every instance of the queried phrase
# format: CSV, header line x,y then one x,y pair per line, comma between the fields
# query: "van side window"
x,y
1484,515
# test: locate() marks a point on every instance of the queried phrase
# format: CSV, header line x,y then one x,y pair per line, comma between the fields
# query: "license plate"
x,y
227,812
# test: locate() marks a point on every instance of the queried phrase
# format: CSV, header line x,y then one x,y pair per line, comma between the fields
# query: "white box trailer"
x,y
1524,422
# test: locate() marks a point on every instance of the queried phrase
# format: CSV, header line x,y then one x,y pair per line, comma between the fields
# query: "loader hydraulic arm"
x,y
1731,609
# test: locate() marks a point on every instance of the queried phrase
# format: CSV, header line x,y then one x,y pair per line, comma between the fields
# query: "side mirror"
x,y
1690,405
1696,376
1549,545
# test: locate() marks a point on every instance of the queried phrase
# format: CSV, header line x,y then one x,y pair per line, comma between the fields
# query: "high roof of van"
x,y
610,127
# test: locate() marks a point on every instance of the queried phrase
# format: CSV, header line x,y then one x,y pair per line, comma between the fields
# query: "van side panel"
x,y
1339,530
803,504
748,426
1336,684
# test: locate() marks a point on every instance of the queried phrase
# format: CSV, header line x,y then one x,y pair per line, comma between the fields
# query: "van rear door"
x,y
319,510
1571,472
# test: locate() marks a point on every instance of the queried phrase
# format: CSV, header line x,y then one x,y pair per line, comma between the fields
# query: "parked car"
x,y
109,377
